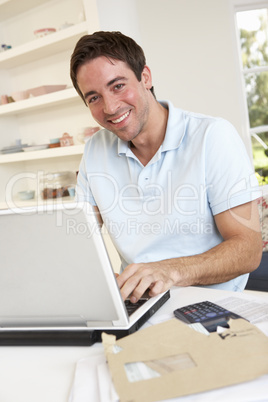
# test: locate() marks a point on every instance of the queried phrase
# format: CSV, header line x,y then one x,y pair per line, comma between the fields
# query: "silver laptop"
x,y
57,285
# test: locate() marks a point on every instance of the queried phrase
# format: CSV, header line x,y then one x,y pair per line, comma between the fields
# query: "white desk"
x,y
45,374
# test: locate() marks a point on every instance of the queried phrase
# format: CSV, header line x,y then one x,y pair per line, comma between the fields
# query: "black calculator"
x,y
209,314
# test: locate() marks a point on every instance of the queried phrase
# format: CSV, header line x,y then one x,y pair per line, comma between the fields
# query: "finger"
x,y
157,288
129,285
126,274
139,291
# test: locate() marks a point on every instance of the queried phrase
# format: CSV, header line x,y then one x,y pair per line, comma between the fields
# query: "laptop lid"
x,y
55,271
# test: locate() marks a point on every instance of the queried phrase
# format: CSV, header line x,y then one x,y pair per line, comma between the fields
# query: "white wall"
x,y
191,49
119,15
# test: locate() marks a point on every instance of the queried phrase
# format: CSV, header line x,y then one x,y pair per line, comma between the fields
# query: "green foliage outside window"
x,y
253,28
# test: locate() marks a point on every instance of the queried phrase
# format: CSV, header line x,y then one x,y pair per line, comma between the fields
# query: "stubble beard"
x,y
140,125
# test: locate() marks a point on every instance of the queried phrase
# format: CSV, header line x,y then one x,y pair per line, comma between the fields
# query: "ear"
x,y
146,77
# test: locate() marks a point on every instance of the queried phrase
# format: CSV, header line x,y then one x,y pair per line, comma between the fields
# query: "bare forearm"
x,y
231,258
222,263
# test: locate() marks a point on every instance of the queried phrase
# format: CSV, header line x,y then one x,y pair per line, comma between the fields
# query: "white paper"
x,y
106,388
85,386
254,311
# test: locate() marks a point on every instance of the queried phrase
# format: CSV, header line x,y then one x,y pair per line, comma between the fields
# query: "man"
x,y
173,188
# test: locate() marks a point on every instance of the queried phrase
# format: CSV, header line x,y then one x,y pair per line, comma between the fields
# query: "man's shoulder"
x,y
203,118
101,138
209,125
103,134
192,118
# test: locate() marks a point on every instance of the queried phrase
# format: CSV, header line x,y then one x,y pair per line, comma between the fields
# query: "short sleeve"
x,y
230,177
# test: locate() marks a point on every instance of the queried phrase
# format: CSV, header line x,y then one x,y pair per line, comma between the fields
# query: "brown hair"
x,y
113,45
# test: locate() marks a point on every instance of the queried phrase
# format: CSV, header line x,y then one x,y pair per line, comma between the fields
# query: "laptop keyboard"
x,y
132,307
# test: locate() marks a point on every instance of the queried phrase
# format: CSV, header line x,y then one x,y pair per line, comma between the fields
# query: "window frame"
x,y
238,6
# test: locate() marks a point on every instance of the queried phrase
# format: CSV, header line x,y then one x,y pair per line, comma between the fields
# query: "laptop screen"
x,y
55,269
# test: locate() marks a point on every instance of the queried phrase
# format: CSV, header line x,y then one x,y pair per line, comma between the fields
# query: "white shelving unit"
x,y
40,102
34,62
43,47
42,154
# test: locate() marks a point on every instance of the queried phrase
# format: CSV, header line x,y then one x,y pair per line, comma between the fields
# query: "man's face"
x,y
116,99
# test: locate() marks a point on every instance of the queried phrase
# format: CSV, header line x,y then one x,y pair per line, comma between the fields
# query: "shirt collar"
x,y
175,130
122,147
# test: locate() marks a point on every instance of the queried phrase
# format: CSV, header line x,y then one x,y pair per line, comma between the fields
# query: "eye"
x,y
119,86
93,99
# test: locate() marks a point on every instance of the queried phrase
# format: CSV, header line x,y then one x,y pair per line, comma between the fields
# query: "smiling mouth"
x,y
123,117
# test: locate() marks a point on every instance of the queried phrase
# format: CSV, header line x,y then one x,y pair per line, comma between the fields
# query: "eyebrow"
x,y
89,93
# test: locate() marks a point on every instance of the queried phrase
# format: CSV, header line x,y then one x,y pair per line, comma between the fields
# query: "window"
x,y
252,24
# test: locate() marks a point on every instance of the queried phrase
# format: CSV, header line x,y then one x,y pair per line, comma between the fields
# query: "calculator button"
x,y
211,314
203,312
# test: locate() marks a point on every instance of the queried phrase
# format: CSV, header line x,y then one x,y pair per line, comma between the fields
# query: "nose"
x,y
110,104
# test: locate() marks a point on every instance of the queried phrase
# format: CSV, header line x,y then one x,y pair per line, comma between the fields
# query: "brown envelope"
x,y
177,360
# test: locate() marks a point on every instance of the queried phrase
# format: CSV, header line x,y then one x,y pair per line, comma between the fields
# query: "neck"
x,y
146,145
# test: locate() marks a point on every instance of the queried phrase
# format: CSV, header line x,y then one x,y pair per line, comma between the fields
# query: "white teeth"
x,y
121,118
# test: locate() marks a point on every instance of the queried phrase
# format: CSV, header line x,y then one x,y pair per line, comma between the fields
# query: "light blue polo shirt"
x,y
165,209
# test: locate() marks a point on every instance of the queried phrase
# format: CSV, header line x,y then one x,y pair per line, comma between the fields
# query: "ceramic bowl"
x,y
71,191
39,33
26,195
46,89
54,140
20,95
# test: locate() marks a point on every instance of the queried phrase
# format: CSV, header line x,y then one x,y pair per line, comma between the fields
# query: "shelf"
x,y
17,203
43,47
11,8
43,154
28,60
39,102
